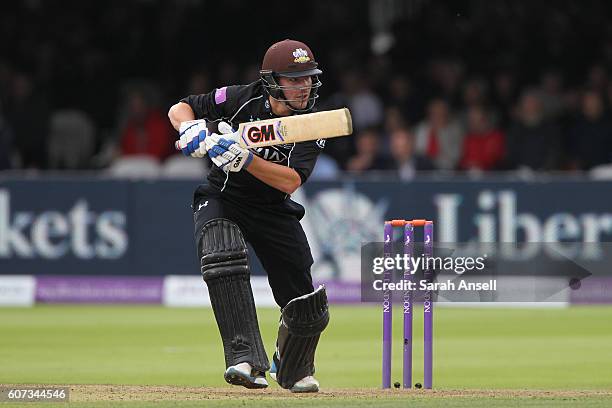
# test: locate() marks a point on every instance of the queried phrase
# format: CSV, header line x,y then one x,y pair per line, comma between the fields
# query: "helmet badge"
x,y
301,55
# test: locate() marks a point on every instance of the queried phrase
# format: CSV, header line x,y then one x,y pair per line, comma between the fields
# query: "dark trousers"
x,y
274,232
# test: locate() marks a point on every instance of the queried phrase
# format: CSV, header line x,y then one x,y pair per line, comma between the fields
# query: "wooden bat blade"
x,y
295,129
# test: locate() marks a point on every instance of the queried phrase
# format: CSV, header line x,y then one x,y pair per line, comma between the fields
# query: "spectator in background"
x,y
531,141
71,140
551,95
393,121
572,112
366,111
28,117
402,95
325,168
597,79
366,107
590,141
474,94
146,131
368,143
483,145
446,76
405,161
504,97
439,136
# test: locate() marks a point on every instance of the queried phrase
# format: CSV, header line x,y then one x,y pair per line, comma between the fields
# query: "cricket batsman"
x,y
247,199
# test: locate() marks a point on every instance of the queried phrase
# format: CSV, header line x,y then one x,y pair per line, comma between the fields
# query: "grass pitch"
x,y
173,357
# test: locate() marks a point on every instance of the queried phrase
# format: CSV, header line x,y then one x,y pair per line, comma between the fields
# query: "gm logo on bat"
x,y
262,133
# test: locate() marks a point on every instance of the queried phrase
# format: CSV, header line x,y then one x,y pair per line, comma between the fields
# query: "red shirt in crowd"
x,y
150,136
482,151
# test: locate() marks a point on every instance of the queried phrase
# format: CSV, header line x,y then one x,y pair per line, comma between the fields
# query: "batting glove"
x,y
192,135
225,152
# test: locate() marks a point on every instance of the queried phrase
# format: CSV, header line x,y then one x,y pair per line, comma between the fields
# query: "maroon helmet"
x,y
289,58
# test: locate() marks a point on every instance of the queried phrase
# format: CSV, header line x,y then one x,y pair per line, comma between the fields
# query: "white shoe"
x,y
306,384
243,374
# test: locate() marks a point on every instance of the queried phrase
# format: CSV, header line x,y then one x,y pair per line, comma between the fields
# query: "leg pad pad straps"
x,y
225,269
302,322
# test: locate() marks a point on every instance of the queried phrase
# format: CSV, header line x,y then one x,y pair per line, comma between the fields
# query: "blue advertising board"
x,y
93,226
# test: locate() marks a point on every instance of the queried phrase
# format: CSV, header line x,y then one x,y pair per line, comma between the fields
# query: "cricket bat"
x,y
295,129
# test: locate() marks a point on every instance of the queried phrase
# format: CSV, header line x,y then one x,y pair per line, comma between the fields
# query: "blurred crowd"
x,y
469,87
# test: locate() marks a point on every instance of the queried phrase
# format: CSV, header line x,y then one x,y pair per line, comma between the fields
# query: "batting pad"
x,y
225,270
302,322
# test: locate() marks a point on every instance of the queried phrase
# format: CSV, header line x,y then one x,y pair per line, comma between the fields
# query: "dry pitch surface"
x,y
167,396
160,393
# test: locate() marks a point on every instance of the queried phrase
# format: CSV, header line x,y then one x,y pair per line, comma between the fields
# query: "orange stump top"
x,y
416,223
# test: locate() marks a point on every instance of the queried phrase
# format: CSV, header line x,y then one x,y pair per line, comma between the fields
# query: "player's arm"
x,y
280,177
210,106
229,156
190,115
288,179
180,112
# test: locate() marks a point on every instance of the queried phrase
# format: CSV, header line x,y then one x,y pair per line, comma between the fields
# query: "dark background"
x,y
97,57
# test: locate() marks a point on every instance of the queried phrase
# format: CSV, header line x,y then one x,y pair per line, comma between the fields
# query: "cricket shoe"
x,y
243,374
273,367
306,384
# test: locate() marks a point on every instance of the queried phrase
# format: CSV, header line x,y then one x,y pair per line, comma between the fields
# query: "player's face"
x,y
296,90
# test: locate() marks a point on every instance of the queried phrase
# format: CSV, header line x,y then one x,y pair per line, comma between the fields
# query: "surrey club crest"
x,y
300,55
